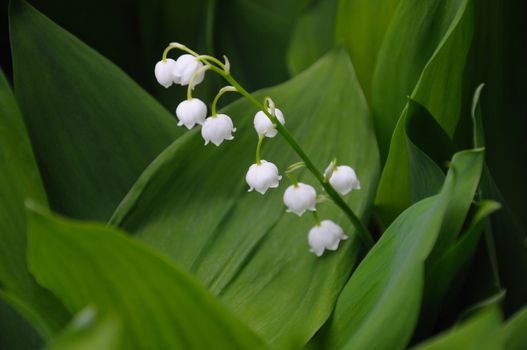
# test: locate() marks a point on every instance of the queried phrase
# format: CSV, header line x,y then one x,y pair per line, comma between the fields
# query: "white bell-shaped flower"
x,y
263,124
327,235
186,66
299,198
342,178
191,112
261,177
217,128
164,72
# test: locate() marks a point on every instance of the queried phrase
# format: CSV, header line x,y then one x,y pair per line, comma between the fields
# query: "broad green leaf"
x,y
440,81
93,129
89,331
452,265
192,203
313,35
133,34
160,305
384,294
416,171
255,35
426,44
20,179
481,332
361,26
514,331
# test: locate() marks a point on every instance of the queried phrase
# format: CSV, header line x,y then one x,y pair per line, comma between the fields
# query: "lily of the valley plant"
x,y
189,70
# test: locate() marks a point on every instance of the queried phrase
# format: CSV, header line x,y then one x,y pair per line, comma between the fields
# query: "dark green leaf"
x,y
93,129
192,203
20,179
255,35
312,36
384,294
160,305
452,265
515,335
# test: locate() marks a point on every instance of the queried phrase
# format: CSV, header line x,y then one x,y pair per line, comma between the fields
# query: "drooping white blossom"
x,y
325,236
342,178
191,112
263,124
217,128
164,72
300,197
261,177
186,66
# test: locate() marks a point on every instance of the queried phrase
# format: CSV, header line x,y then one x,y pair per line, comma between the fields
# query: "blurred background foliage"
x,y
270,41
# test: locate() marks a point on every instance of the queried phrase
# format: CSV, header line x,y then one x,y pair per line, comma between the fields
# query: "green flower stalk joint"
x,y
189,70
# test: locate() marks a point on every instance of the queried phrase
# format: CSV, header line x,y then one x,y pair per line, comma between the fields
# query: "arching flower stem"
x,y
218,95
362,230
259,149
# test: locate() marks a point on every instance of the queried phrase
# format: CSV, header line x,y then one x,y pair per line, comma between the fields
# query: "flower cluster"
x,y
189,70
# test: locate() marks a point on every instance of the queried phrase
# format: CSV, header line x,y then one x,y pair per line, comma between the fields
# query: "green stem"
x,y
221,92
293,178
315,216
259,148
362,230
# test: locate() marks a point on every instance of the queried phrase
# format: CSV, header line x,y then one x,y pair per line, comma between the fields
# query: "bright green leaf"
x,y
20,179
383,295
361,26
192,203
440,81
90,331
481,332
160,305
93,129
426,44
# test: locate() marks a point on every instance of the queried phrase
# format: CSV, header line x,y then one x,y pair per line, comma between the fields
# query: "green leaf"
x,y
89,331
383,295
313,35
481,332
452,265
361,26
192,203
93,129
514,331
255,35
440,81
20,179
426,44
160,305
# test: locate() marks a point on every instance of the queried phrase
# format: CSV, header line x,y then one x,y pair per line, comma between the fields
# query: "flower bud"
x,y
217,128
261,177
186,66
263,124
342,178
164,71
191,112
299,198
327,235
